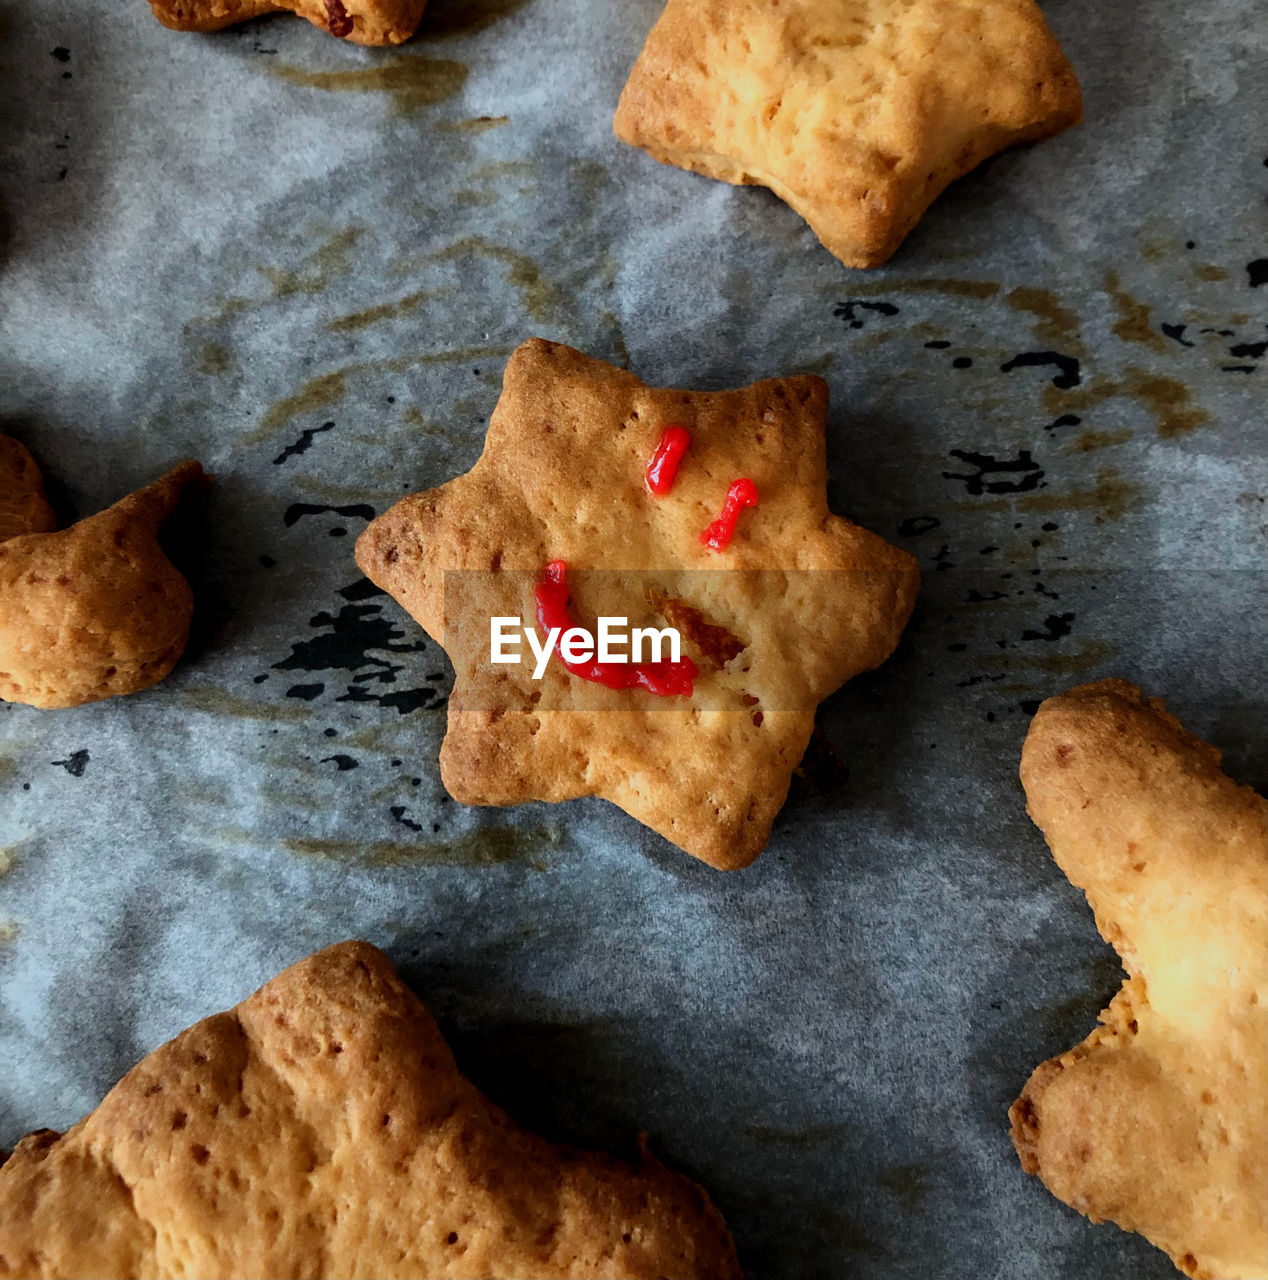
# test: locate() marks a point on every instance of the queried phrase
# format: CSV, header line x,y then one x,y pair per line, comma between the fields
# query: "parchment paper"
x,y
305,264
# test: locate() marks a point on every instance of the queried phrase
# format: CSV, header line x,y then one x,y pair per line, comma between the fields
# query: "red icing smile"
x,y
741,494
664,679
663,466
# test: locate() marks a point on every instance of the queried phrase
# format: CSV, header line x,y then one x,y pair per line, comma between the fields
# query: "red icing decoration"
x,y
664,679
741,494
663,466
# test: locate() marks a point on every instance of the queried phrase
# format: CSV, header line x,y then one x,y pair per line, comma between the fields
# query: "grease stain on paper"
x,y
487,847
314,272
410,80
1168,400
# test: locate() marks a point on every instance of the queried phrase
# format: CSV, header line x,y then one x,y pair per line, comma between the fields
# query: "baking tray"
x,y
305,264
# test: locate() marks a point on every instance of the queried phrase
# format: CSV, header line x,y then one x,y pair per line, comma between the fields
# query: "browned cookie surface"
x,y
23,506
857,113
1158,1121
321,1128
371,22
95,610
812,599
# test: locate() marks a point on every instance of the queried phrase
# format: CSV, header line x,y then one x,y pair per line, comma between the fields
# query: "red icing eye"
x,y
664,679
741,494
663,466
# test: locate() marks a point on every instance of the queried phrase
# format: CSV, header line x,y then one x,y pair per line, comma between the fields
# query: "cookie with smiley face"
x,y
583,507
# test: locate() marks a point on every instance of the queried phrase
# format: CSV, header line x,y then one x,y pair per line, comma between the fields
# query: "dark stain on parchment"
x,y
303,444
1068,370
75,763
1248,350
1023,472
1054,627
298,510
360,640
398,812
854,311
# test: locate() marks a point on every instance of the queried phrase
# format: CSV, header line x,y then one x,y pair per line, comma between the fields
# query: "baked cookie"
x,y
372,22
777,605
321,1128
1158,1121
856,112
23,506
96,610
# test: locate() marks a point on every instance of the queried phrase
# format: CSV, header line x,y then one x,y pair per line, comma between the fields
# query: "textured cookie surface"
x,y
1158,1121
97,609
856,112
321,1129
23,506
811,599
372,22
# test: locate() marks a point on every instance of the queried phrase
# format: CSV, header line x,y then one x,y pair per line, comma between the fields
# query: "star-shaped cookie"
x,y
370,22
856,112
1158,1121
798,602
321,1128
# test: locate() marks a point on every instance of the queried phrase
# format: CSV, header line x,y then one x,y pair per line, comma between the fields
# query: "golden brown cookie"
x,y
373,22
857,112
1158,1121
322,1129
23,506
97,609
811,599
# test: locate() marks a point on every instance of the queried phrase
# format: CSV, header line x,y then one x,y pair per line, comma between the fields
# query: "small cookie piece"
x,y
96,610
856,112
1158,1121
321,1128
23,506
369,22
811,599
